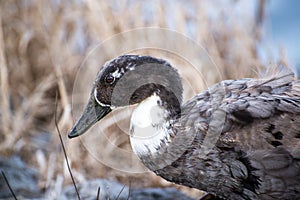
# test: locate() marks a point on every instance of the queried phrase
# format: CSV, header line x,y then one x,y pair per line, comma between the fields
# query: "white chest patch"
x,y
148,126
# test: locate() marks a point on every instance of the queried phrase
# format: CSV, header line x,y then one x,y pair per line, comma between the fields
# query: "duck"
x,y
239,139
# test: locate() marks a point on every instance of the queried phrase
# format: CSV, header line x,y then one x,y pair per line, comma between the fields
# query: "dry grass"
x,y
42,45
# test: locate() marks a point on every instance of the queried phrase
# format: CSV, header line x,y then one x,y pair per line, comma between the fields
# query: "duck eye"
x,y
109,79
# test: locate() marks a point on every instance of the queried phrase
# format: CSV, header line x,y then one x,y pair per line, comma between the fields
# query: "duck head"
x,y
127,80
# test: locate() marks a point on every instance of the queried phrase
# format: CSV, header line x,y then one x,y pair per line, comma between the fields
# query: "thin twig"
x,y
98,193
11,190
120,193
129,190
64,150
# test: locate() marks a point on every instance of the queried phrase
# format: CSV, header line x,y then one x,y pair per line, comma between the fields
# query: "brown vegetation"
x,y
42,46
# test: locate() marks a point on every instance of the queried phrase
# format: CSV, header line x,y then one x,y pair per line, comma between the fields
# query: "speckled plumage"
x,y
257,155
240,139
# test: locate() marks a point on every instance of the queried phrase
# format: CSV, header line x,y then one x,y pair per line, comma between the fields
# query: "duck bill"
x,y
92,113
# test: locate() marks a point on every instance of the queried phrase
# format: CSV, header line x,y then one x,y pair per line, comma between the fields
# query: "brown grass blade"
x,y
7,183
64,150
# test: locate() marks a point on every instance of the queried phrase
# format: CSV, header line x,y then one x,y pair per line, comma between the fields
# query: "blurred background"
x,y
44,44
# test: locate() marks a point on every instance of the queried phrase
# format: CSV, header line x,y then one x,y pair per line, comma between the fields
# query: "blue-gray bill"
x,y
92,113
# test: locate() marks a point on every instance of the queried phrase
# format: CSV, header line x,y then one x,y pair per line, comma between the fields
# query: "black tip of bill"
x,y
73,133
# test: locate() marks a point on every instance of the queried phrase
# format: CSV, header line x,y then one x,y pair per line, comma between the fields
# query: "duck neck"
x,y
169,100
150,125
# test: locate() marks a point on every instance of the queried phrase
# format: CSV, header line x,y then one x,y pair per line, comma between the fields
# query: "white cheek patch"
x,y
99,102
